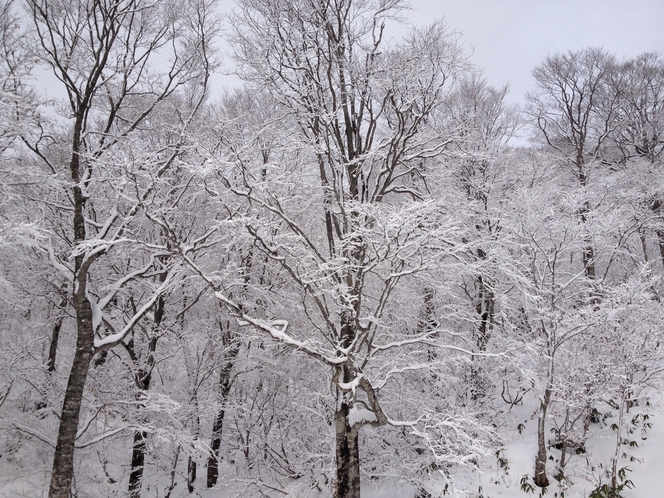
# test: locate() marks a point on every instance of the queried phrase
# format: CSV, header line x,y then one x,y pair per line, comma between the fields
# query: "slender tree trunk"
x,y
347,438
660,240
617,452
564,445
52,353
137,464
192,386
139,446
143,378
191,473
55,334
224,390
191,462
174,483
588,252
53,347
63,462
540,461
484,307
62,474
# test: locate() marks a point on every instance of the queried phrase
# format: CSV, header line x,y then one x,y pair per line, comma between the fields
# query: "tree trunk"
x,y
53,348
660,240
63,462
142,379
191,474
191,462
540,461
224,390
348,455
619,441
55,335
137,464
347,438
588,252
485,309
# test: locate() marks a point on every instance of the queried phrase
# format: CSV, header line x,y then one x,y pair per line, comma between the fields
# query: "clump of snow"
x,y
360,415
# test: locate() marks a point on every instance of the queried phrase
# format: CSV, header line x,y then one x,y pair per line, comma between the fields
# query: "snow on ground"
x,y
495,482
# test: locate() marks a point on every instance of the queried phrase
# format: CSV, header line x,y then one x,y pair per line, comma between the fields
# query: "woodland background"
x,y
343,271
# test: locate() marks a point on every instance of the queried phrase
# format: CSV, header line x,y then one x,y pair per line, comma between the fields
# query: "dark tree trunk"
x,y
224,390
484,307
215,445
191,474
191,462
142,379
137,464
63,462
53,347
347,454
588,252
347,437
55,334
540,461
660,240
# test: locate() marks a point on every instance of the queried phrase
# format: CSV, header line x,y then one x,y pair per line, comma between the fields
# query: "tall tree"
x,y
575,113
341,210
101,52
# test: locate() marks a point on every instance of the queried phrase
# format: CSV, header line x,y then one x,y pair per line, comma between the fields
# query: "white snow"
x,y
360,415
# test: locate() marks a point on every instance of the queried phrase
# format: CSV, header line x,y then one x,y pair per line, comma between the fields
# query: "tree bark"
x,y
191,462
143,378
347,454
540,461
137,464
53,347
660,240
63,461
485,309
191,474
224,390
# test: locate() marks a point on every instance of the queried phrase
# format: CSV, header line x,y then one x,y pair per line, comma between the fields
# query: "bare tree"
x,y
575,113
339,208
101,52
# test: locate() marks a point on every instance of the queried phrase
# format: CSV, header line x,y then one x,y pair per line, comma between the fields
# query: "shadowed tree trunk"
x,y
541,479
142,378
55,335
232,348
63,461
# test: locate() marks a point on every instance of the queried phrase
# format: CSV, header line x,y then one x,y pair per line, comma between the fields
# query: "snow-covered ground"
x,y
583,471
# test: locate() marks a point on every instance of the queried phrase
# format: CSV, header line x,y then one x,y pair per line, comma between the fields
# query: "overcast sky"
x,y
510,37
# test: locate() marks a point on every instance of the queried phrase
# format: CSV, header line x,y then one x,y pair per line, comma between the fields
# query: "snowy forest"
x,y
361,271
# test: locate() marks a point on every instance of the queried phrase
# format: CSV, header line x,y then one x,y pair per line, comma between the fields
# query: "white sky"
x,y
511,37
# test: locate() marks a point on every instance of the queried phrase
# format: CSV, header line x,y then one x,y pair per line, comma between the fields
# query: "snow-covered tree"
x,y
102,54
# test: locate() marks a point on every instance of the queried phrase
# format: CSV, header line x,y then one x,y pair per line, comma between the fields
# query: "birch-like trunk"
x,y
541,479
